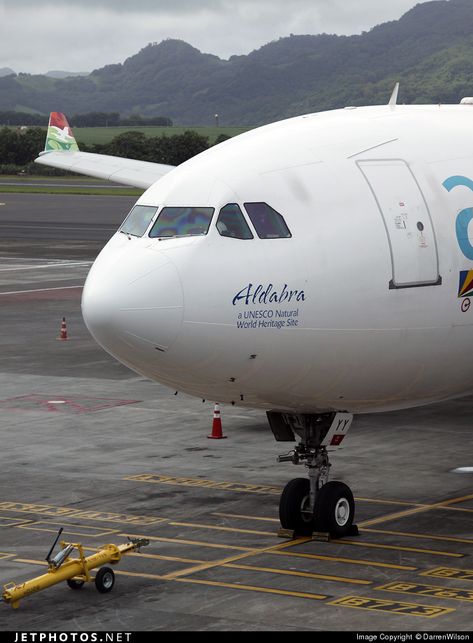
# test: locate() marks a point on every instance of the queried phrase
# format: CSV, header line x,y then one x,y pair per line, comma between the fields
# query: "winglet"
x,y
393,99
60,136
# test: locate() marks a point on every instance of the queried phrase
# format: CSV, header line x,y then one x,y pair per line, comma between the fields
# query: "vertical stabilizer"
x,y
60,136
393,100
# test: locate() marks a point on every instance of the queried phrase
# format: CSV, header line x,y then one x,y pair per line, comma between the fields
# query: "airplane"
x,y
316,268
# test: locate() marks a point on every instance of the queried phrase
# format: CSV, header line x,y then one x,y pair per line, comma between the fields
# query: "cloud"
x,y
122,6
81,35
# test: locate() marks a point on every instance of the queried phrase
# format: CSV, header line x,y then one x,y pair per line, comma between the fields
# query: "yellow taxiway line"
x,y
219,528
182,541
231,559
416,510
349,561
252,588
417,550
408,534
69,529
290,572
243,517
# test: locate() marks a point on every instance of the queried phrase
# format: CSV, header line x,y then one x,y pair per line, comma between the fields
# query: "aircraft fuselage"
x,y
364,307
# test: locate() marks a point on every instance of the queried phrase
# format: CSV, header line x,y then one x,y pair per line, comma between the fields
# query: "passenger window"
x,y
268,223
232,223
138,220
179,222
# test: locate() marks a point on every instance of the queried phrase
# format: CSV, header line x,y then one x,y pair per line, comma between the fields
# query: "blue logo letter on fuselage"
x,y
464,217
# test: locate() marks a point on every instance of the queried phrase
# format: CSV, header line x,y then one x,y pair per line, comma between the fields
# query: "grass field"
x,y
43,189
91,135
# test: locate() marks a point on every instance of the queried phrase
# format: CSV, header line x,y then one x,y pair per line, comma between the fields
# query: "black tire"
x,y
105,580
75,584
294,498
335,509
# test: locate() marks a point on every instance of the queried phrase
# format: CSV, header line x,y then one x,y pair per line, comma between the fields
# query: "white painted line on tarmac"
x,y
97,228
49,265
20,292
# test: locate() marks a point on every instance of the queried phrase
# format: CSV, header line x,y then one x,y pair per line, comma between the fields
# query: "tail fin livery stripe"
x,y
60,136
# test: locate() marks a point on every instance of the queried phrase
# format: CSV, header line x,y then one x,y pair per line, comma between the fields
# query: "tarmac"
x,y
92,447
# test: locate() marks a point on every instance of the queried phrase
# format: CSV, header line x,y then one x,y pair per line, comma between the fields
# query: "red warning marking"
x,y
337,440
58,403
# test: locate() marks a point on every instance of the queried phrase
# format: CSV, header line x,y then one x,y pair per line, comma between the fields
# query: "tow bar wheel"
x,y
75,583
105,580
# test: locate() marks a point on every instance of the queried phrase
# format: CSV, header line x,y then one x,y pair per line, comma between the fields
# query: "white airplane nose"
x,y
133,298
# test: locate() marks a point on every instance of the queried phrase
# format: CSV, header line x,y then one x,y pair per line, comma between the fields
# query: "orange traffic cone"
x,y
217,425
63,331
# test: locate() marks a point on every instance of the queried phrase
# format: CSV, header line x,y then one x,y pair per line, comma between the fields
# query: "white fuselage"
x,y
359,310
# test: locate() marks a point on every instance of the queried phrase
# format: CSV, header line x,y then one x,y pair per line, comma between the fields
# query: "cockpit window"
x,y
232,223
138,220
268,223
179,222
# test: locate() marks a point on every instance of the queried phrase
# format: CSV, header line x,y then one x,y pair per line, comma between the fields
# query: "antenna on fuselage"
x,y
393,100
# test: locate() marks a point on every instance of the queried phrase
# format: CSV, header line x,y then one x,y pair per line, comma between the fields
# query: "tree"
x,y
174,150
132,145
8,143
171,150
28,145
20,147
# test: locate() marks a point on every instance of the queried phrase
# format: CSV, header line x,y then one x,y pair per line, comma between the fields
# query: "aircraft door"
x,y
407,220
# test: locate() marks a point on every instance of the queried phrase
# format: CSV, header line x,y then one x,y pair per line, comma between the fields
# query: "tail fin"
x,y
393,100
60,136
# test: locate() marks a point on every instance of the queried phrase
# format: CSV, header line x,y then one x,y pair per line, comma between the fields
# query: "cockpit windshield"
x,y
179,222
268,223
232,223
138,220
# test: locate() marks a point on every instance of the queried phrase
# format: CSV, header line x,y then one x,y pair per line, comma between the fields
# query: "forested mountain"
x,y
429,50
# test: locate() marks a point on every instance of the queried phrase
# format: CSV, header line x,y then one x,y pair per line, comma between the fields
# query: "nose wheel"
x,y
333,513
294,507
314,504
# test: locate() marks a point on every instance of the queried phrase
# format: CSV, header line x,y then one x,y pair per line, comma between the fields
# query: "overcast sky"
x,y
37,36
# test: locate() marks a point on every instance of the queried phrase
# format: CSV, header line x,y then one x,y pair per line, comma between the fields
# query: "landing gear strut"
x,y
314,504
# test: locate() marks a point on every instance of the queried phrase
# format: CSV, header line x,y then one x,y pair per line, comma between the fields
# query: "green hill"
x,y
429,49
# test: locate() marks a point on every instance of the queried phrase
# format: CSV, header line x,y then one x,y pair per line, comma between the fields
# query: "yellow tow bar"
x,y
75,571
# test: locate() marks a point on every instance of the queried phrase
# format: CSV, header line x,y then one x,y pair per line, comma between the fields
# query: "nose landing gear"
x,y
314,504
